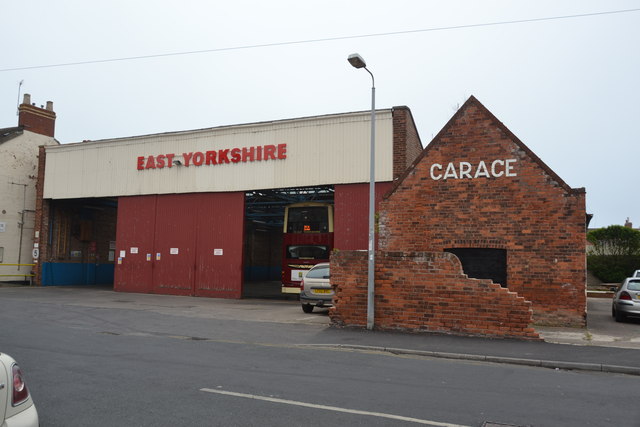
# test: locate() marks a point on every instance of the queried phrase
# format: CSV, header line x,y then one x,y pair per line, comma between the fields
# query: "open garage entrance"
x,y
81,238
88,237
263,237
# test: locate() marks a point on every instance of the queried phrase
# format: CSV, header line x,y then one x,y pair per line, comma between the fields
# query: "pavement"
x,y
603,346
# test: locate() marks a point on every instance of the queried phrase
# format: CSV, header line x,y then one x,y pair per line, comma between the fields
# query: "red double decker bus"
x,y
307,241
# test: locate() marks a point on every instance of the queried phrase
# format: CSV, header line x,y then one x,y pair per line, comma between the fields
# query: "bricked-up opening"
x,y
483,263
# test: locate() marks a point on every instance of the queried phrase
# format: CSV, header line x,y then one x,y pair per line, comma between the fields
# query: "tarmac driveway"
x,y
601,330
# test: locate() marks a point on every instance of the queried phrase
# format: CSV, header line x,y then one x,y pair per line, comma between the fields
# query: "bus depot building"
x,y
475,225
201,212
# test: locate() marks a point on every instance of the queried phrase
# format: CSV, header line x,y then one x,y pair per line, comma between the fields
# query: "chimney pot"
x,y
36,119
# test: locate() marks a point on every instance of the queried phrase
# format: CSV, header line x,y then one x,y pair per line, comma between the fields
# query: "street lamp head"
x,y
357,61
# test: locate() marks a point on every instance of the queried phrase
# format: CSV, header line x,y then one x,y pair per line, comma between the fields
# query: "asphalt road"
x,y
138,361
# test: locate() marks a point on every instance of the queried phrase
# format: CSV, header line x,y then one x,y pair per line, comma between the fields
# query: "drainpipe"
x,y
24,208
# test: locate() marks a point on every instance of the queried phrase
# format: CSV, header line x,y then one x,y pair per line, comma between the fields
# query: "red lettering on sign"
x,y
269,152
151,163
282,151
211,158
222,156
170,159
247,154
252,154
198,158
235,155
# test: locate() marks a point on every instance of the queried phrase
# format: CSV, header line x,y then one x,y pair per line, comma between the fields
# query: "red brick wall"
x,y
37,120
536,217
406,141
425,292
41,227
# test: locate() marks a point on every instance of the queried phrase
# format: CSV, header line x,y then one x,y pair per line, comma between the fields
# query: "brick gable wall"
x,y
517,204
533,214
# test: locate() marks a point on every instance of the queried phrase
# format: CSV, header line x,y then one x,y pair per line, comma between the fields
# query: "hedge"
x,y
613,268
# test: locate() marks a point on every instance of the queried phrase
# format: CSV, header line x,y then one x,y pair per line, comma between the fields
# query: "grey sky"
x,y
568,88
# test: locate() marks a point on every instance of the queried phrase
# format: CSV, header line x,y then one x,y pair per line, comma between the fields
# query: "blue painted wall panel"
x,y
76,274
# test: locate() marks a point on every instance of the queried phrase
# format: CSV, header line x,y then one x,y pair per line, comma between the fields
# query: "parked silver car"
x,y
315,289
636,273
626,301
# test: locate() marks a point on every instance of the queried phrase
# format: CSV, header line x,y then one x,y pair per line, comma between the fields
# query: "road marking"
x,y
331,408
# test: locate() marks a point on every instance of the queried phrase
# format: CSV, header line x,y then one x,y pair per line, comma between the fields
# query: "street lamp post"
x,y
358,62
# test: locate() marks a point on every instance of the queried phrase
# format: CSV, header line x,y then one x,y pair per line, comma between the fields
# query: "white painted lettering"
x,y
465,170
450,172
509,167
493,168
482,170
434,176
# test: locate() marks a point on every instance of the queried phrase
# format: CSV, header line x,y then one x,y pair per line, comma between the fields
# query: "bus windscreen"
x,y
308,219
308,252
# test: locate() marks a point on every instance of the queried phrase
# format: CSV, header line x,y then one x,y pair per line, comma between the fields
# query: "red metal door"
x,y
181,244
134,240
175,236
219,245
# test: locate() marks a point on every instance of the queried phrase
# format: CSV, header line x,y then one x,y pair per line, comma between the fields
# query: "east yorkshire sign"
x,y
258,153
467,170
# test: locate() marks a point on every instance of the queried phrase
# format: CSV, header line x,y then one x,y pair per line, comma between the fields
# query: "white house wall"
x,y
319,151
18,174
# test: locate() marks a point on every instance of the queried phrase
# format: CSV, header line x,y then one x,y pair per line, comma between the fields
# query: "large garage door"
x,y
182,244
483,263
134,237
174,250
